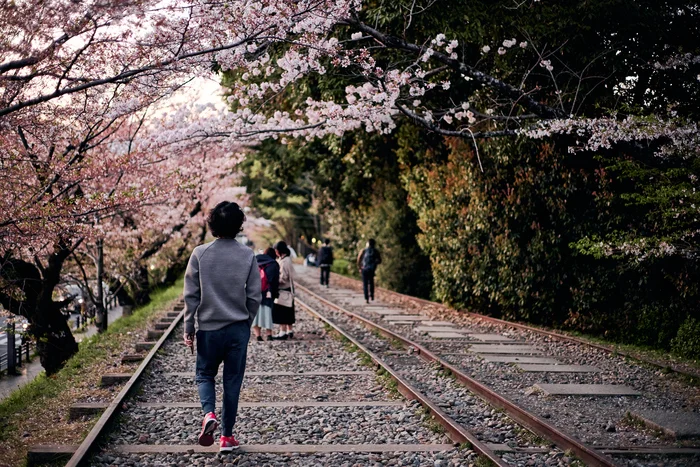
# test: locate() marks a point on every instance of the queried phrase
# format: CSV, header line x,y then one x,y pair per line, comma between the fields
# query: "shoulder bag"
x,y
286,297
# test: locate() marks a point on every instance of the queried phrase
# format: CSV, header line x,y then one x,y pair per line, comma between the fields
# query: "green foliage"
x,y
526,238
274,177
507,228
579,241
345,268
687,343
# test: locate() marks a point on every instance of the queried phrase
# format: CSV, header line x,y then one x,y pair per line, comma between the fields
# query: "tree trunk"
x,y
142,287
47,325
117,288
55,343
101,313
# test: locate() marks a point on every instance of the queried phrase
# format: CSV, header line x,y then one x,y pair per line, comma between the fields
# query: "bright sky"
x,y
201,91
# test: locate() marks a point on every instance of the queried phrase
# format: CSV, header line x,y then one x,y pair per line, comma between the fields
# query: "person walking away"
x,y
270,282
222,296
367,262
325,261
283,311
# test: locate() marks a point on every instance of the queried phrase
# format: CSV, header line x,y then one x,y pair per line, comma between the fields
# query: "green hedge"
x,y
521,240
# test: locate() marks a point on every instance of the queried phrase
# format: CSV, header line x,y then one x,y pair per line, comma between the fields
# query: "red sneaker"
x,y
209,424
228,444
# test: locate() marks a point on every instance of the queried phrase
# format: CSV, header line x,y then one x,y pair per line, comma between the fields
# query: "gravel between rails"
x,y
288,425
271,388
403,424
489,425
310,351
598,421
452,458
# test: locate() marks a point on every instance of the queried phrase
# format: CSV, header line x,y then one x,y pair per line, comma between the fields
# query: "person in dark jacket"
x,y
325,261
367,262
270,291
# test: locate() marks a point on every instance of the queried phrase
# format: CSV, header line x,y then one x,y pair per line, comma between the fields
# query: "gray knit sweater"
x,y
222,285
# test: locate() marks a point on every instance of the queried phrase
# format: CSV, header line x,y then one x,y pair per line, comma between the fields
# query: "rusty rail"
x,y
456,431
91,441
553,334
520,415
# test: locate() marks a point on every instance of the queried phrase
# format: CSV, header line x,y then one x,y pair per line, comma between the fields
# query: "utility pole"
x,y
11,350
101,312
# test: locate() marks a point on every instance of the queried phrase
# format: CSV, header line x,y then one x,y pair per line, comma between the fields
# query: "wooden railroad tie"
x,y
132,358
89,409
144,346
154,334
49,454
43,454
109,379
161,326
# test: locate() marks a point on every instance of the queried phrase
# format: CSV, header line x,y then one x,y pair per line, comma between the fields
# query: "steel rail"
x,y
517,413
457,432
544,332
91,441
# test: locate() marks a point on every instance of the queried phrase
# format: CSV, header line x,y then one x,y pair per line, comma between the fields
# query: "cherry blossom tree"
x,y
83,156
66,181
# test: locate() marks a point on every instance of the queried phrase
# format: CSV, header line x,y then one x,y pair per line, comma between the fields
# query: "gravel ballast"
x,y
597,421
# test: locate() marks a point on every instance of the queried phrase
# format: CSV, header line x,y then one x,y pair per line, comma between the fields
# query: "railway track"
x,y
603,420
381,392
690,373
309,401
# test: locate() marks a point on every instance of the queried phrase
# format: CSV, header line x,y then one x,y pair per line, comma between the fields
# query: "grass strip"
x,y
37,412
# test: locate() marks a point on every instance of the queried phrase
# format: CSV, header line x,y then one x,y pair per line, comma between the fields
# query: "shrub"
x,y
687,341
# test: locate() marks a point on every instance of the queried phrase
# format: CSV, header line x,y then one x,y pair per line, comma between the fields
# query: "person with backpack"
x,y
367,262
222,296
325,261
270,282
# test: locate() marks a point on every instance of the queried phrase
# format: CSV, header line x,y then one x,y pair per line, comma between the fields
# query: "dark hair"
x,y
271,252
226,220
282,248
327,241
372,242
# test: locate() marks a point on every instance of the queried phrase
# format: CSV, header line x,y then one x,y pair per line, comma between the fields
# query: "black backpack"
x,y
369,260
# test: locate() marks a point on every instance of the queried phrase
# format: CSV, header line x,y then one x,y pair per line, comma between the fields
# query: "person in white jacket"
x,y
283,311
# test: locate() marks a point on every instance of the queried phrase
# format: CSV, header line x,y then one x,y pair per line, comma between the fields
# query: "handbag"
x,y
285,298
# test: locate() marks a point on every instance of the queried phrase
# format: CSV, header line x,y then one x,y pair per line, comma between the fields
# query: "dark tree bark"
x,y
142,287
47,325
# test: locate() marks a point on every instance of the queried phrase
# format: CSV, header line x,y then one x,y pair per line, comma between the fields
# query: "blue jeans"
x,y
368,283
230,346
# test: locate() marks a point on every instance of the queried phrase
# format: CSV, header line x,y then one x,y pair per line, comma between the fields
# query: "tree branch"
x,y
505,89
124,76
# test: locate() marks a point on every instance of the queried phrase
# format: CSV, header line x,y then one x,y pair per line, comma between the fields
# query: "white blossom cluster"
x,y
682,62
602,133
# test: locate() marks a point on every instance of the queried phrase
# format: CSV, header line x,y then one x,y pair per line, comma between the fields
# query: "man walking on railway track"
x,y
325,261
367,262
222,291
